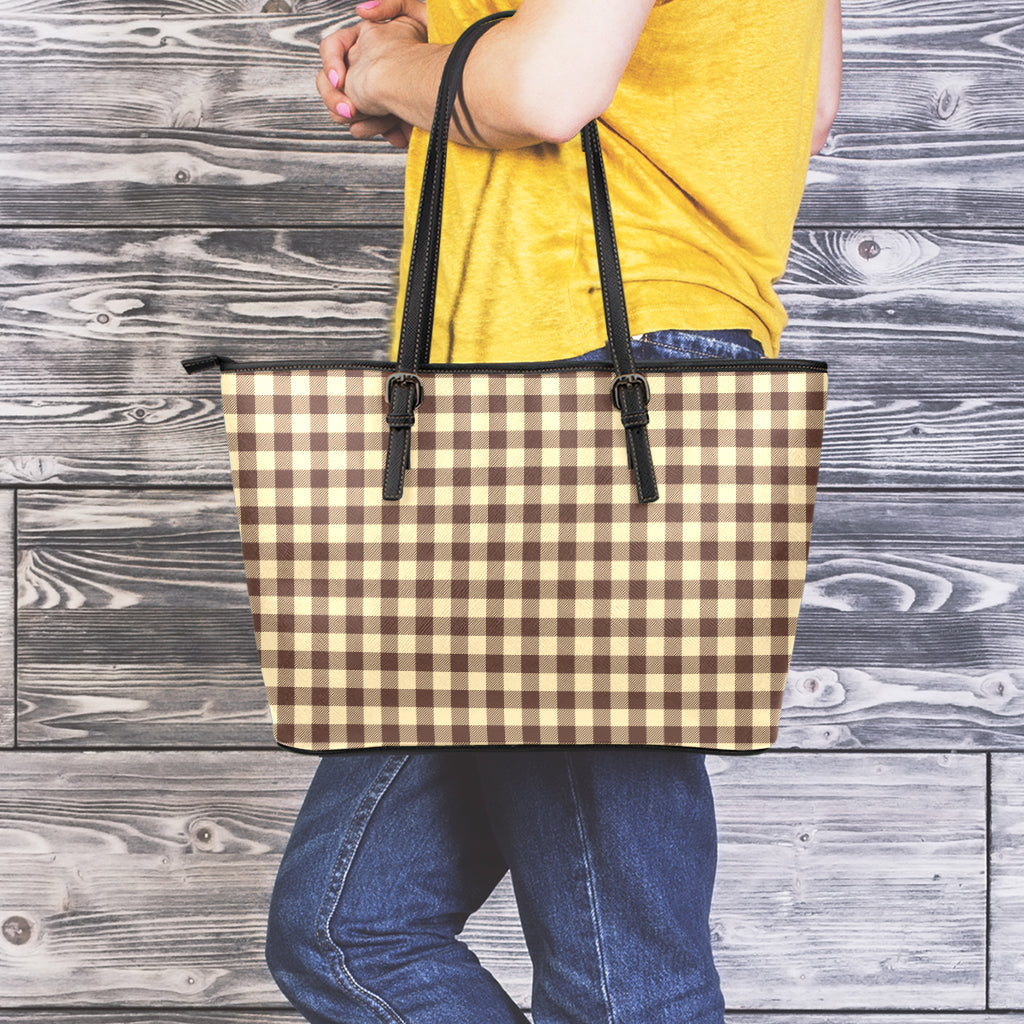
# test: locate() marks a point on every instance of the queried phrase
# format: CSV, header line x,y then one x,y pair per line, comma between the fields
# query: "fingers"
x,y
394,131
335,45
385,10
341,109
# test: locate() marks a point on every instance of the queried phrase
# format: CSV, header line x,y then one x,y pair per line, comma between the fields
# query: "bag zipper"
x,y
208,362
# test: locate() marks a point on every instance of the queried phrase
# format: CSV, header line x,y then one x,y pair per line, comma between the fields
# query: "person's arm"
x,y
539,76
830,75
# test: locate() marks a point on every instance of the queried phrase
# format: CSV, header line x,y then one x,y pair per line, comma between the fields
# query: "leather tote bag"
x,y
523,553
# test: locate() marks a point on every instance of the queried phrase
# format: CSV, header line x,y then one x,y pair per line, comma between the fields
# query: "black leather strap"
x,y
630,388
421,284
629,391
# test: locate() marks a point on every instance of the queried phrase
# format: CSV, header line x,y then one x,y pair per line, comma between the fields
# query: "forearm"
x,y
537,77
830,75
406,82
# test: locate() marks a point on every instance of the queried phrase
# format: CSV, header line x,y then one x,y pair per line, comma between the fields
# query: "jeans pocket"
x,y
683,344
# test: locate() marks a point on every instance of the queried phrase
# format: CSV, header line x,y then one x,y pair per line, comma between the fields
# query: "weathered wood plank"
x,y
1006,898
109,313
255,75
885,16
921,598
134,613
172,8
285,1016
134,625
895,313
112,312
925,89
203,1015
884,437
7,612
194,178
144,877
865,839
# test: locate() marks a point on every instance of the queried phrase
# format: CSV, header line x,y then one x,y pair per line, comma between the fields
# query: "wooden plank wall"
x,y
169,186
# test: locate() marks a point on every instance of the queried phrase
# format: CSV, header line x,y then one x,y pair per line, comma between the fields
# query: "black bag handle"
x,y
404,389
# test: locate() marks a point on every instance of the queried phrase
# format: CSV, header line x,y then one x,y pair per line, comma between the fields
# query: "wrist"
x,y
410,80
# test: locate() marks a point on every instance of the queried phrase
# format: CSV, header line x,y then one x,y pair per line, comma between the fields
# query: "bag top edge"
x,y
654,365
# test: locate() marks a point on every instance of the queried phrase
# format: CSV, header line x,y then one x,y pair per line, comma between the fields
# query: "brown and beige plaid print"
x,y
518,593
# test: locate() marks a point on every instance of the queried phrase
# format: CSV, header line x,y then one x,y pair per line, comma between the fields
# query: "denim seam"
x,y
332,897
591,891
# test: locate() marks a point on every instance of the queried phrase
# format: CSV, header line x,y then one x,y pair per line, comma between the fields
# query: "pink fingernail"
x,y
344,109
369,5
333,77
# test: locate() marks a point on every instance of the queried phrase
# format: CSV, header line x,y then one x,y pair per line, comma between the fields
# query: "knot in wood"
x,y
946,104
277,7
17,930
869,249
203,833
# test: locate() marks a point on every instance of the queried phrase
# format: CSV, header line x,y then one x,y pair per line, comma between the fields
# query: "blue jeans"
x,y
612,853
678,344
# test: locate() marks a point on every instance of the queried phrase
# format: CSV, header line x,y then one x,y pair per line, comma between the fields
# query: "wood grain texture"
x,y
195,178
202,1015
142,879
867,838
922,599
170,185
211,117
7,613
111,312
134,614
134,623
883,437
881,18
98,323
1006,901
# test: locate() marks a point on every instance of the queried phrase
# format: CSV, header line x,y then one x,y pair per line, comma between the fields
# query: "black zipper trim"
x,y
654,365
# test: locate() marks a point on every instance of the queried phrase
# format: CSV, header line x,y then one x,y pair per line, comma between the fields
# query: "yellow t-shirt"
x,y
706,145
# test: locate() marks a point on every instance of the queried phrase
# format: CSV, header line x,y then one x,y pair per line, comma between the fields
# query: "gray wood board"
x,y
1006,900
211,116
99,321
142,879
134,625
200,178
285,1016
113,311
895,16
7,598
259,1015
883,437
919,596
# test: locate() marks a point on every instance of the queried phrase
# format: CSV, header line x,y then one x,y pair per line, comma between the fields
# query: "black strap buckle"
x,y
629,380
403,380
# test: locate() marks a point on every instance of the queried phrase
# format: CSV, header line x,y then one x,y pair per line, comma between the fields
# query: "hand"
x,y
350,58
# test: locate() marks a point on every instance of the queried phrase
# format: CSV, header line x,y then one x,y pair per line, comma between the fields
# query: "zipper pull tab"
x,y
199,363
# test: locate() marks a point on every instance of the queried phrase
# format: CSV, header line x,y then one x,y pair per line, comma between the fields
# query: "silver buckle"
x,y
403,379
628,379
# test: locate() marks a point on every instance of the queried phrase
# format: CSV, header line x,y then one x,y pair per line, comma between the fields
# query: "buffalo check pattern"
x,y
518,593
